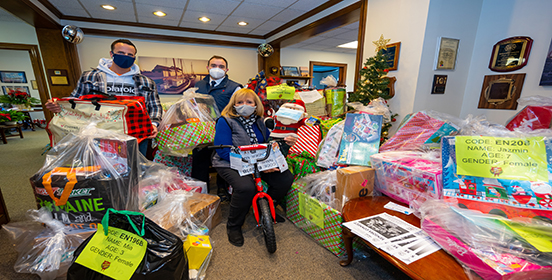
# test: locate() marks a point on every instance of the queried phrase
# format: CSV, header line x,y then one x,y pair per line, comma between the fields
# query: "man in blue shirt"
x,y
221,88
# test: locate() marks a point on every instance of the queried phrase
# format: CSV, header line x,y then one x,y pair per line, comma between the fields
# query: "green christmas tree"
x,y
373,84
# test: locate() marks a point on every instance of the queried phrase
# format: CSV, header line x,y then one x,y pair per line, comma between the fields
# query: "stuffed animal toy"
x,y
289,118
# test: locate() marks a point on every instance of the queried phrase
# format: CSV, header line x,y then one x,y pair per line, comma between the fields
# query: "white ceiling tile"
x,y
164,3
261,32
314,47
124,11
256,11
232,21
220,7
312,40
287,15
352,26
271,25
350,35
193,17
331,42
237,29
307,5
277,3
332,33
198,25
146,11
69,8
158,21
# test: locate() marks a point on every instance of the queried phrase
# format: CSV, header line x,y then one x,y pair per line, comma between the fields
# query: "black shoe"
x,y
280,219
235,236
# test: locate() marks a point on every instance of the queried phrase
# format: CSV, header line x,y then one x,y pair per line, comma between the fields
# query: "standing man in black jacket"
x,y
221,88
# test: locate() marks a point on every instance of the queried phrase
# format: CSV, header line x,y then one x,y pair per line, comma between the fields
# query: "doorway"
x,y
321,70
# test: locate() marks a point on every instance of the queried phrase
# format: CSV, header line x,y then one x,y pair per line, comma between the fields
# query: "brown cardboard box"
x,y
353,182
205,208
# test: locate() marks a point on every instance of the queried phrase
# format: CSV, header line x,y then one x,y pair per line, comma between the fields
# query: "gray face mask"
x,y
245,110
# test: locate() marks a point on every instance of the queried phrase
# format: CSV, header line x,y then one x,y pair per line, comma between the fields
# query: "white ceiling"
x,y
263,16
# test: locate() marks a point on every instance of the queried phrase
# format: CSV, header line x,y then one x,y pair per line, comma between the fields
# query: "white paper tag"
x,y
310,96
399,208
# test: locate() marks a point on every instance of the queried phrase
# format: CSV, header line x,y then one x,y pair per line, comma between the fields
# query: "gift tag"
x,y
117,254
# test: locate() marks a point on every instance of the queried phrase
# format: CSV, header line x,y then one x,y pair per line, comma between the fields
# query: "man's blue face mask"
x,y
123,61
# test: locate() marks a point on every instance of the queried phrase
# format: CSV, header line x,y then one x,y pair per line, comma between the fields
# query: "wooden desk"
x,y
439,265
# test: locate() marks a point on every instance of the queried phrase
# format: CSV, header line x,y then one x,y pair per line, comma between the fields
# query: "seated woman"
x,y
241,123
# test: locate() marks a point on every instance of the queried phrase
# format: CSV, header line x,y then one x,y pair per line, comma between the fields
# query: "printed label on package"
x,y
117,254
311,209
502,158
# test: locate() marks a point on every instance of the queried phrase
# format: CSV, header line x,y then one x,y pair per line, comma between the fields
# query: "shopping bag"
x,y
87,173
124,114
127,245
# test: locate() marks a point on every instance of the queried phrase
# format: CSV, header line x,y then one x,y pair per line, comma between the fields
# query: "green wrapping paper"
x,y
301,165
180,140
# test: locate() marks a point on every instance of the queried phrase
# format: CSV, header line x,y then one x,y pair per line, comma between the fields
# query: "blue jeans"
x,y
143,146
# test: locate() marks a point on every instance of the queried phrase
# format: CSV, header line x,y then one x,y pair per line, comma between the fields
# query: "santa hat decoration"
x,y
297,103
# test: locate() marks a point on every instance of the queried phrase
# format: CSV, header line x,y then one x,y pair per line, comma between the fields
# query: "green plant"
x,y
12,116
17,97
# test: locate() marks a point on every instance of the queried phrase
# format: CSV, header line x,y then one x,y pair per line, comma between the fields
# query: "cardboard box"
x,y
317,219
205,208
353,182
197,249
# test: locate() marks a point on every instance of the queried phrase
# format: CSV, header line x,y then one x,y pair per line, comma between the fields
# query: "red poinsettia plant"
x,y
18,97
11,116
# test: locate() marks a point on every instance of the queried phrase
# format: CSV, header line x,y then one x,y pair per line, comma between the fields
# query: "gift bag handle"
x,y
105,220
71,174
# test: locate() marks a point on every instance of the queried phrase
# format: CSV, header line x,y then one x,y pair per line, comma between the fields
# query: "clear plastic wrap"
x,y
187,123
86,174
329,147
492,246
321,186
536,113
158,180
421,128
409,177
519,188
45,251
173,213
376,107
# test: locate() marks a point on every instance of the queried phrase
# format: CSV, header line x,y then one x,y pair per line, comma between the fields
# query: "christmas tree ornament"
x,y
381,44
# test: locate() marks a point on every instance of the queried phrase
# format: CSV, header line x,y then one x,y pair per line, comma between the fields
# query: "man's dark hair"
x,y
217,57
124,41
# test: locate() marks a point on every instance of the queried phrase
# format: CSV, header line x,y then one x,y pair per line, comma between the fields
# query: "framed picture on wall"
x,y
392,55
546,78
8,89
290,71
510,54
447,52
501,91
13,77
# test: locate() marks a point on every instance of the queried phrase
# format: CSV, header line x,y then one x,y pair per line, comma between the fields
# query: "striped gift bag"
x,y
309,140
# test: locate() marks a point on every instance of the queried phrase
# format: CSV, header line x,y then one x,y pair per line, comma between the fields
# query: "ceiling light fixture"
x,y
204,19
159,14
350,45
242,23
109,7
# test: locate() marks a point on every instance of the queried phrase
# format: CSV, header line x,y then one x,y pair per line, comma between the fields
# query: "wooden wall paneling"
x,y
361,38
59,54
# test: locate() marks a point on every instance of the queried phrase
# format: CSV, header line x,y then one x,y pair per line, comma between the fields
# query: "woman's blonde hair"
x,y
230,111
